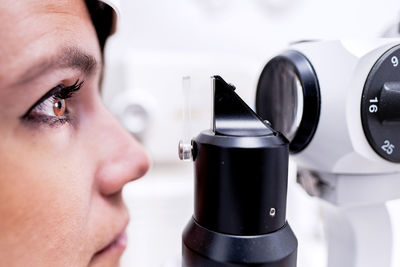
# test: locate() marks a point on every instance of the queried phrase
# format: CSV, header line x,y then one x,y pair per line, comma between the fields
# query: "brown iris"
x,y
59,107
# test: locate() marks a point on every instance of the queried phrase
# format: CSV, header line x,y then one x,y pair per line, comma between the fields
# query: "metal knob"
x,y
185,151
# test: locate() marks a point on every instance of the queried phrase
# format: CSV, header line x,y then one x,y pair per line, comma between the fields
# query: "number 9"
x,y
395,61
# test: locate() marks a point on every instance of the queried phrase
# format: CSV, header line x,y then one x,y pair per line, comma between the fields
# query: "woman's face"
x,y
63,158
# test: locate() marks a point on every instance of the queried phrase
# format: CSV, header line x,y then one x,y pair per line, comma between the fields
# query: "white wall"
x,y
159,42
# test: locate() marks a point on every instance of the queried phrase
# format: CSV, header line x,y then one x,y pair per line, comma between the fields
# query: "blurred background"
x,y
158,43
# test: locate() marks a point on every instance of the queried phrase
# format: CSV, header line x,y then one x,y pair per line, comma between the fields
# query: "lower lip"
x,y
116,247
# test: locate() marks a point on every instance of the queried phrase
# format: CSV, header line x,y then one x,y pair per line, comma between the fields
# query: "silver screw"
x,y
267,122
272,212
184,151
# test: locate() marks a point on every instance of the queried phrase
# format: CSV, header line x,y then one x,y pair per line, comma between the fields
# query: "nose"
x,y
121,158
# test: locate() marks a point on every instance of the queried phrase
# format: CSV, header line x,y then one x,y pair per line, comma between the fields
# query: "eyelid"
x,y
60,91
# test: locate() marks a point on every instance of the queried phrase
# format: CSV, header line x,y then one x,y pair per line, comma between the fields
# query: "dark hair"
x,y
102,18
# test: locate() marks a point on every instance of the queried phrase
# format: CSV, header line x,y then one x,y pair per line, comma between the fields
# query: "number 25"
x,y
387,147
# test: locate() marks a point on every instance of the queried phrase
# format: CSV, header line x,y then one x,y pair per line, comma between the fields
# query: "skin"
x,y
60,184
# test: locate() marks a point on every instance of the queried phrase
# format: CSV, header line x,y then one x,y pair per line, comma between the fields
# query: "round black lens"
x,y
288,97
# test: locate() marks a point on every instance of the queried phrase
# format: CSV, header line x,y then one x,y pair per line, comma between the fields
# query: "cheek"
x,y
45,197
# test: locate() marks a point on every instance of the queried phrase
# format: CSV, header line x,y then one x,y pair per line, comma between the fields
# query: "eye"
x,y
52,108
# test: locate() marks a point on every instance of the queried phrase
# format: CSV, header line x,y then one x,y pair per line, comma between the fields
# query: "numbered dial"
x,y
380,106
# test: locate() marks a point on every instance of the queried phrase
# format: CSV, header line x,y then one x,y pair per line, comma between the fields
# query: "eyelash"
x,y
59,92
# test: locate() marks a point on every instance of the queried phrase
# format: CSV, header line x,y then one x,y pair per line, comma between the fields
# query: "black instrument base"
x,y
204,248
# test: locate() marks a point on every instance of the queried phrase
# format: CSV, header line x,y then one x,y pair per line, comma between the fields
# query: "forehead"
x,y
33,29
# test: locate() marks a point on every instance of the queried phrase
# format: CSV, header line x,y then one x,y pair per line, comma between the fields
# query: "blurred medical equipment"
x,y
148,109
338,103
241,170
157,43
393,31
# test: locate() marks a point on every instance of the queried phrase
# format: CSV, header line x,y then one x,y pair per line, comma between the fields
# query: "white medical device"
x,y
338,102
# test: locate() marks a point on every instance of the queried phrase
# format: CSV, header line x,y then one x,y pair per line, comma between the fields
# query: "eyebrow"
x,y
68,57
